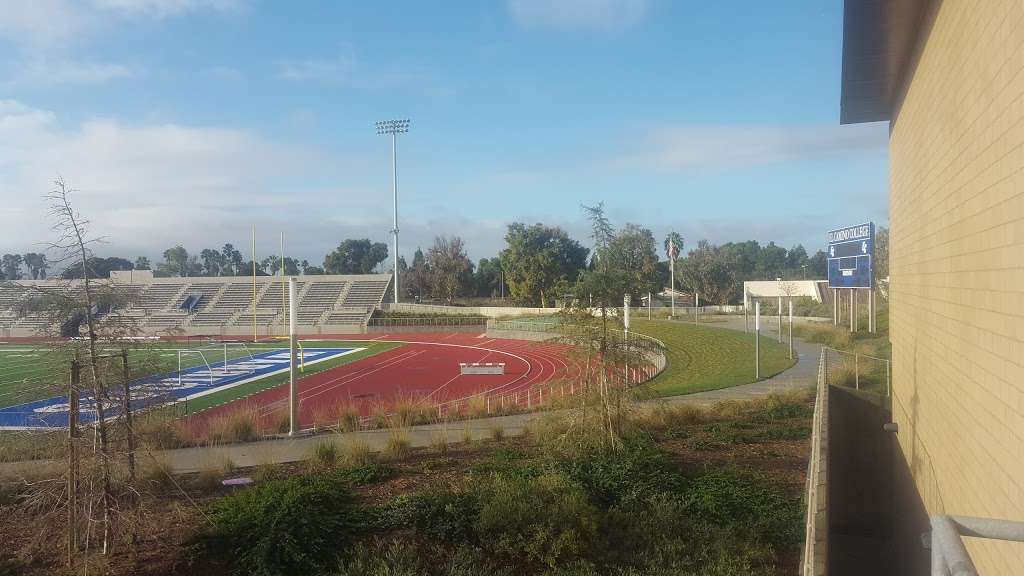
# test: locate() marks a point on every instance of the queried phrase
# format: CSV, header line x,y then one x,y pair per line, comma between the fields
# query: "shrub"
x,y
497,433
158,432
780,406
362,475
753,505
293,526
409,411
789,431
325,454
397,445
266,472
439,442
348,419
546,521
379,558
506,462
239,425
156,473
444,515
638,468
357,452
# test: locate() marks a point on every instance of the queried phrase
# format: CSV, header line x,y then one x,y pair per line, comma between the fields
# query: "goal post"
x,y
202,356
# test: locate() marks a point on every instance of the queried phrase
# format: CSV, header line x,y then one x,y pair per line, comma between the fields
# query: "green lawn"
x,y
707,358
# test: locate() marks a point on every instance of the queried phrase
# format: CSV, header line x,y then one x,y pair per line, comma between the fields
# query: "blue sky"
x,y
189,120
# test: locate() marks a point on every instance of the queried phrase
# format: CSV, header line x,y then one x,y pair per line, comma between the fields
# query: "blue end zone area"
x,y
162,389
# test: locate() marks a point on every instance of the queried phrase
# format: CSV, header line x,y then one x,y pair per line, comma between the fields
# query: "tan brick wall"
x,y
957,268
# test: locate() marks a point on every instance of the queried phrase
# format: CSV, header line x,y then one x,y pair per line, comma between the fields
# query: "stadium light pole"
x,y
393,128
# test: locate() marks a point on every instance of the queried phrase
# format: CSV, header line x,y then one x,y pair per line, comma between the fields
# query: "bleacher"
x,y
237,296
159,296
366,293
342,317
219,305
263,318
201,292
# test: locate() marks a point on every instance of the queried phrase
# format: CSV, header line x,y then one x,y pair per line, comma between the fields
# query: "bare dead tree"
x,y
72,245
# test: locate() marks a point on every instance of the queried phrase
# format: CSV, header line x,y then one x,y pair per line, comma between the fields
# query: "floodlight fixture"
x,y
392,127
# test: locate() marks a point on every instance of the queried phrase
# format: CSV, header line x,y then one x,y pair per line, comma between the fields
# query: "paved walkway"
x,y
283,450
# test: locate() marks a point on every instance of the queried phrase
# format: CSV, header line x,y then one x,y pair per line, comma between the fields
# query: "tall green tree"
x,y
451,271
709,271
213,262
233,261
98,267
310,270
36,264
487,278
11,266
272,264
176,261
881,262
417,280
633,252
540,261
356,257
771,262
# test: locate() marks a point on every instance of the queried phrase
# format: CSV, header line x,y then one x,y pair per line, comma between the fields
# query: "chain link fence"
x,y
439,321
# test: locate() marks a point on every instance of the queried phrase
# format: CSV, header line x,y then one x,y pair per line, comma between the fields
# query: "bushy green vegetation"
x,y
706,358
554,505
631,511
294,525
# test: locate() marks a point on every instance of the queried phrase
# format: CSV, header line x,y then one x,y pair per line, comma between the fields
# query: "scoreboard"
x,y
851,253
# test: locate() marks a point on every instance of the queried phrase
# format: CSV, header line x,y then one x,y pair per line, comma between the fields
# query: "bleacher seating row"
x,y
210,303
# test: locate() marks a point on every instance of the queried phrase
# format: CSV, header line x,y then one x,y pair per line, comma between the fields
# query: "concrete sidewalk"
x,y
283,450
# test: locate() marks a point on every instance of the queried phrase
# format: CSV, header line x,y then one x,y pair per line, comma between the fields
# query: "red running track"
x,y
425,369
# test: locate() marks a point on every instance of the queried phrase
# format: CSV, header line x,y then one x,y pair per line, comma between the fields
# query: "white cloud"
x,y
335,69
579,13
147,187
51,72
346,69
713,147
164,8
46,25
138,182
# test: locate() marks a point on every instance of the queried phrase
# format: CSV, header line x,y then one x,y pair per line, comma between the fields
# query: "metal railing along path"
x,y
815,553
853,370
949,555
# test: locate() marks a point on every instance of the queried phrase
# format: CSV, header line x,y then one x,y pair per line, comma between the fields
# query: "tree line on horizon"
x,y
539,265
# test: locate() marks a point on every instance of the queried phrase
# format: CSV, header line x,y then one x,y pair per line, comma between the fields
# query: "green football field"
x,y
34,371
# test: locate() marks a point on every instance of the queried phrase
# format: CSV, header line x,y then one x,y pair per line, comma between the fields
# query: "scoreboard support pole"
x,y
835,306
872,321
757,340
853,311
